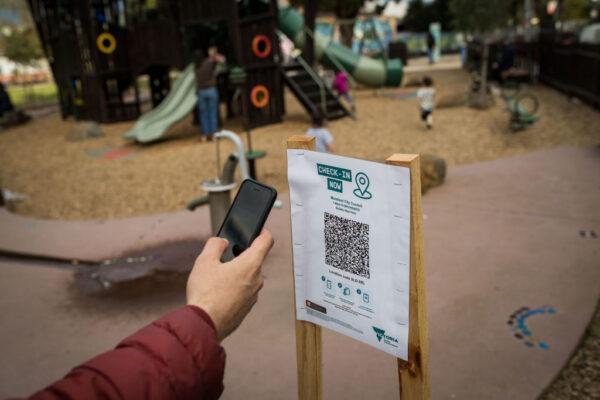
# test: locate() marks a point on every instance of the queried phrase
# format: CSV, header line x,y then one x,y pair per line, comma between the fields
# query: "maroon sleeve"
x,y
175,357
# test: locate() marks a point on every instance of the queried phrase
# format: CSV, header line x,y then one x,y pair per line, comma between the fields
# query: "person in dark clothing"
x,y
179,356
208,95
430,47
5,103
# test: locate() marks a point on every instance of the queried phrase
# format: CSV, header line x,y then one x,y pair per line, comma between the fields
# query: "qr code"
x,y
347,245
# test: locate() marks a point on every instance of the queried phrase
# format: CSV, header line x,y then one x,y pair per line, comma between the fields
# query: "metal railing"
x,y
334,60
316,77
318,80
340,67
311,72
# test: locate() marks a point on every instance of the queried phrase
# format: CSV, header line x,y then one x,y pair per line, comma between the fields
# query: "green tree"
x,y
344,10
22,46
420,15
574,9
480,17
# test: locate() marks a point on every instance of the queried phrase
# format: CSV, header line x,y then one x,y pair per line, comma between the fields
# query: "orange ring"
x,y
256,41
256,102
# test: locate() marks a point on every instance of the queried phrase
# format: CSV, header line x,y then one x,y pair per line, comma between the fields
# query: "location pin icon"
x,y
362,182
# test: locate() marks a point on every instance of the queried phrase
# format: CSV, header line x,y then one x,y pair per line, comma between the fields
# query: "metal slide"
x,y
365,70
178,103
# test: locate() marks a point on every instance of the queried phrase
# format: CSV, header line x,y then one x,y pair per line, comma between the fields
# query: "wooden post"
x,y
413,376
308,335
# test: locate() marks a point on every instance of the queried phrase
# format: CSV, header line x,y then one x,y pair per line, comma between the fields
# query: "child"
x,y
426,96
323,138
341,87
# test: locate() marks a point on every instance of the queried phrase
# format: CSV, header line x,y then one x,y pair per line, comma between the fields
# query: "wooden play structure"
x,y
98,49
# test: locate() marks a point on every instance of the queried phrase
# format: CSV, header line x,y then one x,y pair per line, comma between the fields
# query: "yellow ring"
x,y
102,46
256,102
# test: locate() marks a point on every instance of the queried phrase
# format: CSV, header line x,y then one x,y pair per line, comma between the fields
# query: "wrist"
x,y
206,315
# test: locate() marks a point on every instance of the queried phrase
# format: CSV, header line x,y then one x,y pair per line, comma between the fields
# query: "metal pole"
x,y
218,203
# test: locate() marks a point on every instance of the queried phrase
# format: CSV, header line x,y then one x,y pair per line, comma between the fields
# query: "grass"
x,y
33,94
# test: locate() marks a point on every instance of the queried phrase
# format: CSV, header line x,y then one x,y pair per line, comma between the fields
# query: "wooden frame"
x,y
413,376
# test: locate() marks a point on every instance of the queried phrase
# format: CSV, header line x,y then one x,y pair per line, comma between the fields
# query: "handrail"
x,y
334,60
313,75
317,79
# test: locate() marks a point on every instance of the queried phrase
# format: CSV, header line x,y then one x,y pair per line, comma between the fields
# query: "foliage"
x,y
23,46
341,8
419,15
574,9
20,7
478,16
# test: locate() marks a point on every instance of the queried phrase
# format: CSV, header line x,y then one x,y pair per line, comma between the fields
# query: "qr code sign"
x,y
347,245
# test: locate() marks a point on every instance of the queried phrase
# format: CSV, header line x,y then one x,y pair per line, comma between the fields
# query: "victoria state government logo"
x,y
392,341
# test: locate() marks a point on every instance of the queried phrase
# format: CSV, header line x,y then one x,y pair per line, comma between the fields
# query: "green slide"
x,y
365,70
178,103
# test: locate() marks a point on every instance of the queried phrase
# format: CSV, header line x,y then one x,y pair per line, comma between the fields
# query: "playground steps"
x,y
305,84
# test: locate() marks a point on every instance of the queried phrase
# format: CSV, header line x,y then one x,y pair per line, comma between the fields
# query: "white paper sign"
x,y
351,241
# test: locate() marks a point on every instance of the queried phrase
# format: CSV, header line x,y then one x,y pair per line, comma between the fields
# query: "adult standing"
x,y
430,47
208,95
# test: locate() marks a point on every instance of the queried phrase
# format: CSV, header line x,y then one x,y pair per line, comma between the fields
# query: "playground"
x,y
108,196
79,183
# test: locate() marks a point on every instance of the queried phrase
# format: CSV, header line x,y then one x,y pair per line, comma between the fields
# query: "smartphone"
x,y
246,216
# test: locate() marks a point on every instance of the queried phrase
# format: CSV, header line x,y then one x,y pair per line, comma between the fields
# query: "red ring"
x,y
256,41
256,90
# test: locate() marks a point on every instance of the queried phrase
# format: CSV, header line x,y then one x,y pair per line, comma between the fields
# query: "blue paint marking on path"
x,y
520,330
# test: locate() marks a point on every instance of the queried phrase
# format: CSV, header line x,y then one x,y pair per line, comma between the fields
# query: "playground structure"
x,y
522,107
98,50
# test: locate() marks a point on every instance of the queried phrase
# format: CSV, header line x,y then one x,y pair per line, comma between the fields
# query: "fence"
x,y
571,68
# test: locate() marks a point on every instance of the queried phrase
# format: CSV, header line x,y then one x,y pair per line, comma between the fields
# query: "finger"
x,y
260,247
214,249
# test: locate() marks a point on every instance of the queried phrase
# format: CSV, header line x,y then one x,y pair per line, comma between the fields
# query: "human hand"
x,y
228,291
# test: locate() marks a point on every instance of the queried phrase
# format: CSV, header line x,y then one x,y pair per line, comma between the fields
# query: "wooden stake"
x,y
308,335
413,377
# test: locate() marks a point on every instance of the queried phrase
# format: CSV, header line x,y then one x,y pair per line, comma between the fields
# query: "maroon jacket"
x,y
175,357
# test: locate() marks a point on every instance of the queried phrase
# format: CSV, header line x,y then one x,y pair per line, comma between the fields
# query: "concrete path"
x,y
499,236
97,240
421,64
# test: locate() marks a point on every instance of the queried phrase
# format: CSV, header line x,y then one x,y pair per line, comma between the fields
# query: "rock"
x,y
85,130
433,171
448,100
413,82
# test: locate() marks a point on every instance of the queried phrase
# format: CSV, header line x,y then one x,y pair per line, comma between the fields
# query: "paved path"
x,y
499,236
421,64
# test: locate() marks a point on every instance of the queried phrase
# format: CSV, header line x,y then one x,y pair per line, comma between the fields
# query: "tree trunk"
x,y
484,67
482,99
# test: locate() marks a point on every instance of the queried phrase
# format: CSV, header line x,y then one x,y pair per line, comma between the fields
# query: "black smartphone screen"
x,y
246,216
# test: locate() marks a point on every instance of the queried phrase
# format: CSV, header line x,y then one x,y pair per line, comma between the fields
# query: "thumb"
x,y
214,249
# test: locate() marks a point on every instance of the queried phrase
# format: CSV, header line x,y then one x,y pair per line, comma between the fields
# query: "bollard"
x,y
219,199
219,188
